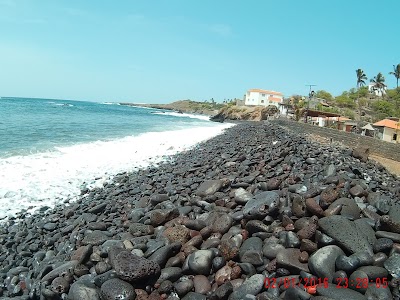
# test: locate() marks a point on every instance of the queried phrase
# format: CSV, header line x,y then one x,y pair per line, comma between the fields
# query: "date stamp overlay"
x,y
310,285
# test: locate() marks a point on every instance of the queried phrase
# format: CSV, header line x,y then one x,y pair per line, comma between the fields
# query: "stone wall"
x,y
376,147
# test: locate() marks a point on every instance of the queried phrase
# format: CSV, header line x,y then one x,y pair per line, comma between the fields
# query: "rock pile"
x,y
255,213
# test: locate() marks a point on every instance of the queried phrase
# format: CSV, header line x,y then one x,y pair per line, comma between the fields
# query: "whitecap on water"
x,y
47,178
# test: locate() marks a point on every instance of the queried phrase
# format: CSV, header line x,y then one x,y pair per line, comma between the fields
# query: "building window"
x,y
262,101
394,138
262,95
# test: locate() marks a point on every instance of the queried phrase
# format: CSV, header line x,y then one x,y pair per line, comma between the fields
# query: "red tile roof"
x,y
265,92
274,99
388,123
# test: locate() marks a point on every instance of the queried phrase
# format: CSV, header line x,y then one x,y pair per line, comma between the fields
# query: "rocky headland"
x,y
217,112
244,113
255,213
183,106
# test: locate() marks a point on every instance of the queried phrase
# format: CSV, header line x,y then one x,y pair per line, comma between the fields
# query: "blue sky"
x,y
161,51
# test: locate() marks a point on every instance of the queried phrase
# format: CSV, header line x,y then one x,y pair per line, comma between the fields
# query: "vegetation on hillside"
x,y
361,104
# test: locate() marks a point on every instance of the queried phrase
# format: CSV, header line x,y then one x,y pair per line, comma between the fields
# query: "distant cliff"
x,y
185,106
253,113
217,112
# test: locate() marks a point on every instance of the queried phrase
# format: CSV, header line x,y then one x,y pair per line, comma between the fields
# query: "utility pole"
x,y
310,96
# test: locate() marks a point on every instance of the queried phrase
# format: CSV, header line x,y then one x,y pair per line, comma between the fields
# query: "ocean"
x,y
50,149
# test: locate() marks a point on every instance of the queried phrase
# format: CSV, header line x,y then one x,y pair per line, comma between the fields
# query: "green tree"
x,y
324,95
361,78
363,91
345,101
393,96
396,73
383,108
379,83
298,105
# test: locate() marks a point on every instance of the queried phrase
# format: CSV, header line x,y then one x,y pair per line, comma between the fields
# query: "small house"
x,y
388,129
263,98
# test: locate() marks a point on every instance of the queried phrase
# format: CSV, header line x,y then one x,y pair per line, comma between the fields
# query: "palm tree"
x,y
396,73
379,83
361,78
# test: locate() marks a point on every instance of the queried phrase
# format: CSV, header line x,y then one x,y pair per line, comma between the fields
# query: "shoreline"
x,y
196,220
155,148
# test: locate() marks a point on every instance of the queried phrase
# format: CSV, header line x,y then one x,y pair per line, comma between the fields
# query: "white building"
x,y
263,98
377,91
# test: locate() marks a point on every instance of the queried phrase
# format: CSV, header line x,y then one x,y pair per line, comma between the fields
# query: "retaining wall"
x,y
376,147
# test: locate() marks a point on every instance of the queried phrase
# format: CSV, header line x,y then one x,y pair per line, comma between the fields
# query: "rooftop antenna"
x,y
310,95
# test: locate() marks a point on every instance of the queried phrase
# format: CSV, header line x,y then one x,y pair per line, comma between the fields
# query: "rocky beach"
x,y
257,212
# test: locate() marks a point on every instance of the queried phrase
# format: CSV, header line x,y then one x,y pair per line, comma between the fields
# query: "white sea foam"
x,y
47,178
184,115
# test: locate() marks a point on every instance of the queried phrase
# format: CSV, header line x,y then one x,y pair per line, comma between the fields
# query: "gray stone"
x,y
95,238
194,296
209,187
374,292
161,255
131,267
374,272
253,243
158,198
382,245
200,262
347,264
242,196
254,226
330,170
83,291
170,273
220,222
339,294
345,233
223,291
364,227
139,229
271,250
183,286
82,253
289,239
117,289
50,226
392,264
365,258
251,286
296,293
349,207
356,280
380,202
289,259
394,212
64,269
261,205
322,262
395,237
